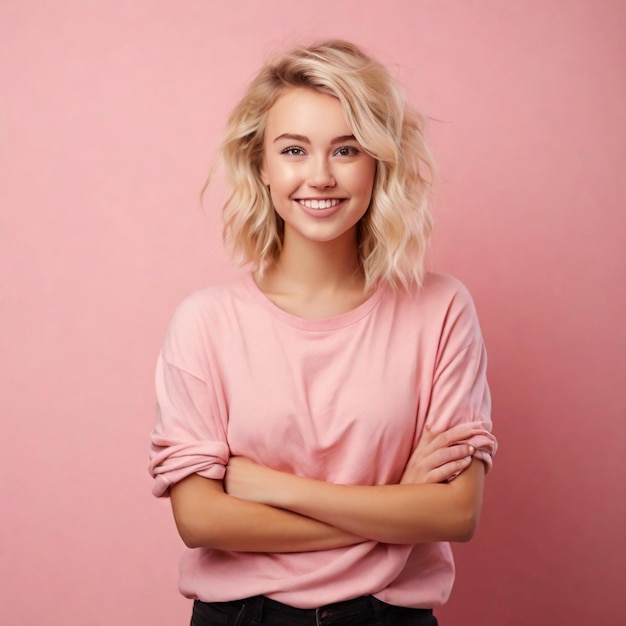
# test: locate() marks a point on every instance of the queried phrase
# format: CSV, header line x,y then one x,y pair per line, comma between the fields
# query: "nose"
x,y
320,174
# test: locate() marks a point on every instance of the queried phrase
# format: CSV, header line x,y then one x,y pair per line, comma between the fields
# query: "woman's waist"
x,y
308,579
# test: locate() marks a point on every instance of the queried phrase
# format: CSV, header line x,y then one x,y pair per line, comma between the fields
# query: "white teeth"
x,y
319,204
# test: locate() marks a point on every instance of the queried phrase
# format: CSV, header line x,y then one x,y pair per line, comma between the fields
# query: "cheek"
x,y
279,175
363,180
280,195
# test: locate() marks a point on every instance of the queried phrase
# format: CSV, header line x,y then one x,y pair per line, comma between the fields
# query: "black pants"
x,y
261,611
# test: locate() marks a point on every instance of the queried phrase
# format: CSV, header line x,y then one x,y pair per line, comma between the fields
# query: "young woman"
x,y
324,421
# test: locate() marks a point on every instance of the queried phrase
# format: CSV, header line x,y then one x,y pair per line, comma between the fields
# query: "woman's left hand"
x,y
438,457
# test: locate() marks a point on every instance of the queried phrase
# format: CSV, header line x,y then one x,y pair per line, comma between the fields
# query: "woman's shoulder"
x,y
443,281
442,301
207,305
440,289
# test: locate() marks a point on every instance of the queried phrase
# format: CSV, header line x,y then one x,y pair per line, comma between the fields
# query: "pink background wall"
x,y
110,112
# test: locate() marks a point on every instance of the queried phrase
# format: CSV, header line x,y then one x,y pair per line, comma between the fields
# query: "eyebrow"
x,y
304,139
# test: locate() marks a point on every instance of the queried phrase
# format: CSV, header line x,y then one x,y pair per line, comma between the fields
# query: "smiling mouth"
x,y
320,204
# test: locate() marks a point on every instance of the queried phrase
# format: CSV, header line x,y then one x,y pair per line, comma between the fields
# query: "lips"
x,y
321,208
319,204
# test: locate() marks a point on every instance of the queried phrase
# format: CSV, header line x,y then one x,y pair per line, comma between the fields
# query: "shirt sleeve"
x,y
460,395
189,436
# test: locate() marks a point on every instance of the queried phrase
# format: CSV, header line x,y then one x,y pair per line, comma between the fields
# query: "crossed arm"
x,y
263,510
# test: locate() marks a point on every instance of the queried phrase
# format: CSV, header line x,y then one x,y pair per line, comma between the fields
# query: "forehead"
x,y
302,111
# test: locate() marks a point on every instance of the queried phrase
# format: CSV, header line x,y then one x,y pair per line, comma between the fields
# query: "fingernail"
x,y
472,449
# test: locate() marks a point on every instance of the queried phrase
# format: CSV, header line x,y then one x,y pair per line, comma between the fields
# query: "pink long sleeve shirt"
x,y
343,400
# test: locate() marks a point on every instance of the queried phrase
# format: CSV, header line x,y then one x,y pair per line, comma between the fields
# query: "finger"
x,y
455,453
440,456
428,435
450,470
455,434
431,440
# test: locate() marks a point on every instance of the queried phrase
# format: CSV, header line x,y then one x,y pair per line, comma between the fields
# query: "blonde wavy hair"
x,y
394,232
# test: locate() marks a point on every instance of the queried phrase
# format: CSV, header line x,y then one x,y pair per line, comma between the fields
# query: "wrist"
x,y
285,488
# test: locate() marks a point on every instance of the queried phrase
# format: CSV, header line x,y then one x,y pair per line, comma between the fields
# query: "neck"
x,y
311,267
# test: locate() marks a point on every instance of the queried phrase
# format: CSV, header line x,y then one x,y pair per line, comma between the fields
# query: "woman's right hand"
x,y
437,457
